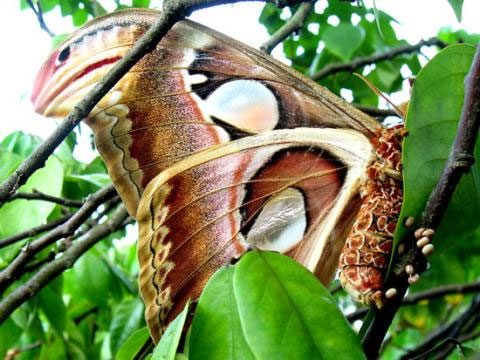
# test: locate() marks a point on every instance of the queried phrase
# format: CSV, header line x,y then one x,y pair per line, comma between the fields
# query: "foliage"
x,y
90,310
94,311
273,306
442,78
340,33
81,11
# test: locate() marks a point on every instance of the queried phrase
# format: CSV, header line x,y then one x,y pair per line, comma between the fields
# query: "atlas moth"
x,y
215,147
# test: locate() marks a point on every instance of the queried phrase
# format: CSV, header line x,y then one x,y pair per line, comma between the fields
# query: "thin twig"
x,y
14,269
429,294
375,58
456,328
292,25
39,14
67,242
13,353
459,162
37,195
443,353
34,231
373,111
59,265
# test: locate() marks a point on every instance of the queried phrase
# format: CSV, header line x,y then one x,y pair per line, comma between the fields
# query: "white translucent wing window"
x,y
281,224
246,104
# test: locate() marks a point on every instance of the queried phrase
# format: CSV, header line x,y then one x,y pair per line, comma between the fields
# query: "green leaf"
x,y
270,308
23,5
133,345
460,36
8,163
80,17
270,18
343,40
67,7
432,120
457,8
141,3
51,302
48,5
9,333
218,316
98,180
92,279
26,317
56,41
20,143
19,215
53,350
127,318
167,347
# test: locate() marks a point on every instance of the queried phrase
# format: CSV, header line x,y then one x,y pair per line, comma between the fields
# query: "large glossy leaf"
x,y
269,307
167,347
19,215
432,121
90,279
98,180
217,315
127,318
343,40
20,143
51,302
54,350
133,345
9,333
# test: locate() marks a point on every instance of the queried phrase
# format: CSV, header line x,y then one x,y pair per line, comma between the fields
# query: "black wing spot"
x,y
64,54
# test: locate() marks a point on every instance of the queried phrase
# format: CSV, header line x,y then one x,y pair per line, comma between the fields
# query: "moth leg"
x,y
375,297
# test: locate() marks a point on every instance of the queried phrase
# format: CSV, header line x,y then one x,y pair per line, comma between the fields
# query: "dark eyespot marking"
x,y
64,54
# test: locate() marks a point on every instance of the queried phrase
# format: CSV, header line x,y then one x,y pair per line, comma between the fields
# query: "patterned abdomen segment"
x,y
366,254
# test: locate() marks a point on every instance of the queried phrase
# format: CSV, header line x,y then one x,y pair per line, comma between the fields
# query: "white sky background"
x,y
25,46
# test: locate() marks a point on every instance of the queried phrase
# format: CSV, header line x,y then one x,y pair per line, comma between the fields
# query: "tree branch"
x,y
13,270
34,231
373,111
37,195
458,163
375,58
292,25
462,324
59,265
442,351
429,294
39,14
